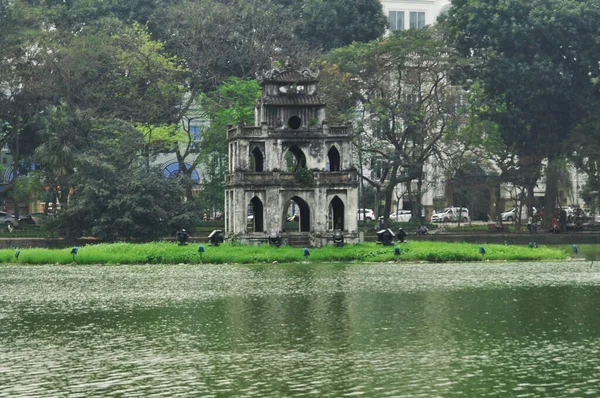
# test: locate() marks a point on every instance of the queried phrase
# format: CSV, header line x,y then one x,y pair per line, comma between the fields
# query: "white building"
x,y
406,14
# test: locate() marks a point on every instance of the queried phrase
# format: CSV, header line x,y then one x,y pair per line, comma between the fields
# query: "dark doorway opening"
x,y
296,216
336,214
256,206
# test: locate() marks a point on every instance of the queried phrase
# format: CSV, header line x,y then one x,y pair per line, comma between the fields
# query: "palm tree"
x,y
63,131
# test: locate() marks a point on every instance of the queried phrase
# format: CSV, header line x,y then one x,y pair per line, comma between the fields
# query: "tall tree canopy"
x,y
231,103
407,99
538,58
329,24
68,66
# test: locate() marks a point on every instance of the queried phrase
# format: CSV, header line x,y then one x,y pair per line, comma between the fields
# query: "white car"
x,y
401,216
450,214
365,213
6,218
511,215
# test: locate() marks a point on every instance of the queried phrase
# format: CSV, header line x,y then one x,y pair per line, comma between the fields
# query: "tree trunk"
x,y
16,156
551,194
389,199
530,198
418,199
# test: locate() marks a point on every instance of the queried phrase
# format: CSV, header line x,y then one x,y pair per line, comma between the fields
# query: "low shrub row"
x,y
171,253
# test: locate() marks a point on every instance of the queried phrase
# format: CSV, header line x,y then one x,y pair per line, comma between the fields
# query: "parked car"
x,y
6,218
27,220
404,216
511,215
451,214
369,214
401,216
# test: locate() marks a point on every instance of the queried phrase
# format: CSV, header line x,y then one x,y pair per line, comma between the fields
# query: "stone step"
x,y
299,240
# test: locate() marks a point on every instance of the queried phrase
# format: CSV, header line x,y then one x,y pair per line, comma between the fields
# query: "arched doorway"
x,y
296,216
257,160
256,217
294,159
333,156
336,214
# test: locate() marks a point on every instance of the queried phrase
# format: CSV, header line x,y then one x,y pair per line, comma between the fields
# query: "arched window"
x,y
257,160
333,156
295,159
172,170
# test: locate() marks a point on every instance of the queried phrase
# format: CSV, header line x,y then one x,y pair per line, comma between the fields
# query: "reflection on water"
x,y
528,330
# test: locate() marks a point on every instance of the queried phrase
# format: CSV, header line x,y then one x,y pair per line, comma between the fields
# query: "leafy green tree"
x,y
28,188
231,103
332,24
116,70
25,87
584,146
63,132
407,102
539,59
116,197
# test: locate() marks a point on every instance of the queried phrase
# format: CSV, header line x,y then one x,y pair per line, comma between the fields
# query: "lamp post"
x,y
305,253
74,251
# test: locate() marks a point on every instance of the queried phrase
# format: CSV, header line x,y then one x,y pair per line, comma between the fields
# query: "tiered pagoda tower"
x,y
291,175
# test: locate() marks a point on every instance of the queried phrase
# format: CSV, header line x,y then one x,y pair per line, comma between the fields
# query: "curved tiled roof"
x,y
300,99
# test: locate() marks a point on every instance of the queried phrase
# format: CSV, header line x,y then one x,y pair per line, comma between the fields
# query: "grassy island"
x,y
171,253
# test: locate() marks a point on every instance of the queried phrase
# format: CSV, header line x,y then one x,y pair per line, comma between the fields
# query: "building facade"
x,y
407,14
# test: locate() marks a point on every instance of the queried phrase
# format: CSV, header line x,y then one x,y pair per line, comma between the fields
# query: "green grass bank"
x,y
170,253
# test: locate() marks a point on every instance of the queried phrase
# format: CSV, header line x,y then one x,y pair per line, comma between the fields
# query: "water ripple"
x,y
300,330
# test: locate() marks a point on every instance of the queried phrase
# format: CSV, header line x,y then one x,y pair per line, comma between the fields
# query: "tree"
x,y
116,70
584,145
331,24
116,197
231,103
63,132
25,87
407,99
539,59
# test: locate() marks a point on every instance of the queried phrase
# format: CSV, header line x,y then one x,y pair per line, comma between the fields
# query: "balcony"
x,y
305,132
349,177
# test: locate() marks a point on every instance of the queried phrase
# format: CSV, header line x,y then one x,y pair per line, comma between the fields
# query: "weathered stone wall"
x,y
290,118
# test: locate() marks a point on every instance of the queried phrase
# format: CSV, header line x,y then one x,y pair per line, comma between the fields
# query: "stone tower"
x,y
290,175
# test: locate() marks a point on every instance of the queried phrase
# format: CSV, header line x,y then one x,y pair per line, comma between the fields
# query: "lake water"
x,y
473,330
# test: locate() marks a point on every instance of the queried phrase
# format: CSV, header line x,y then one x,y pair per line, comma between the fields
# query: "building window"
x,y
417,20
195,133
172,171
396,20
